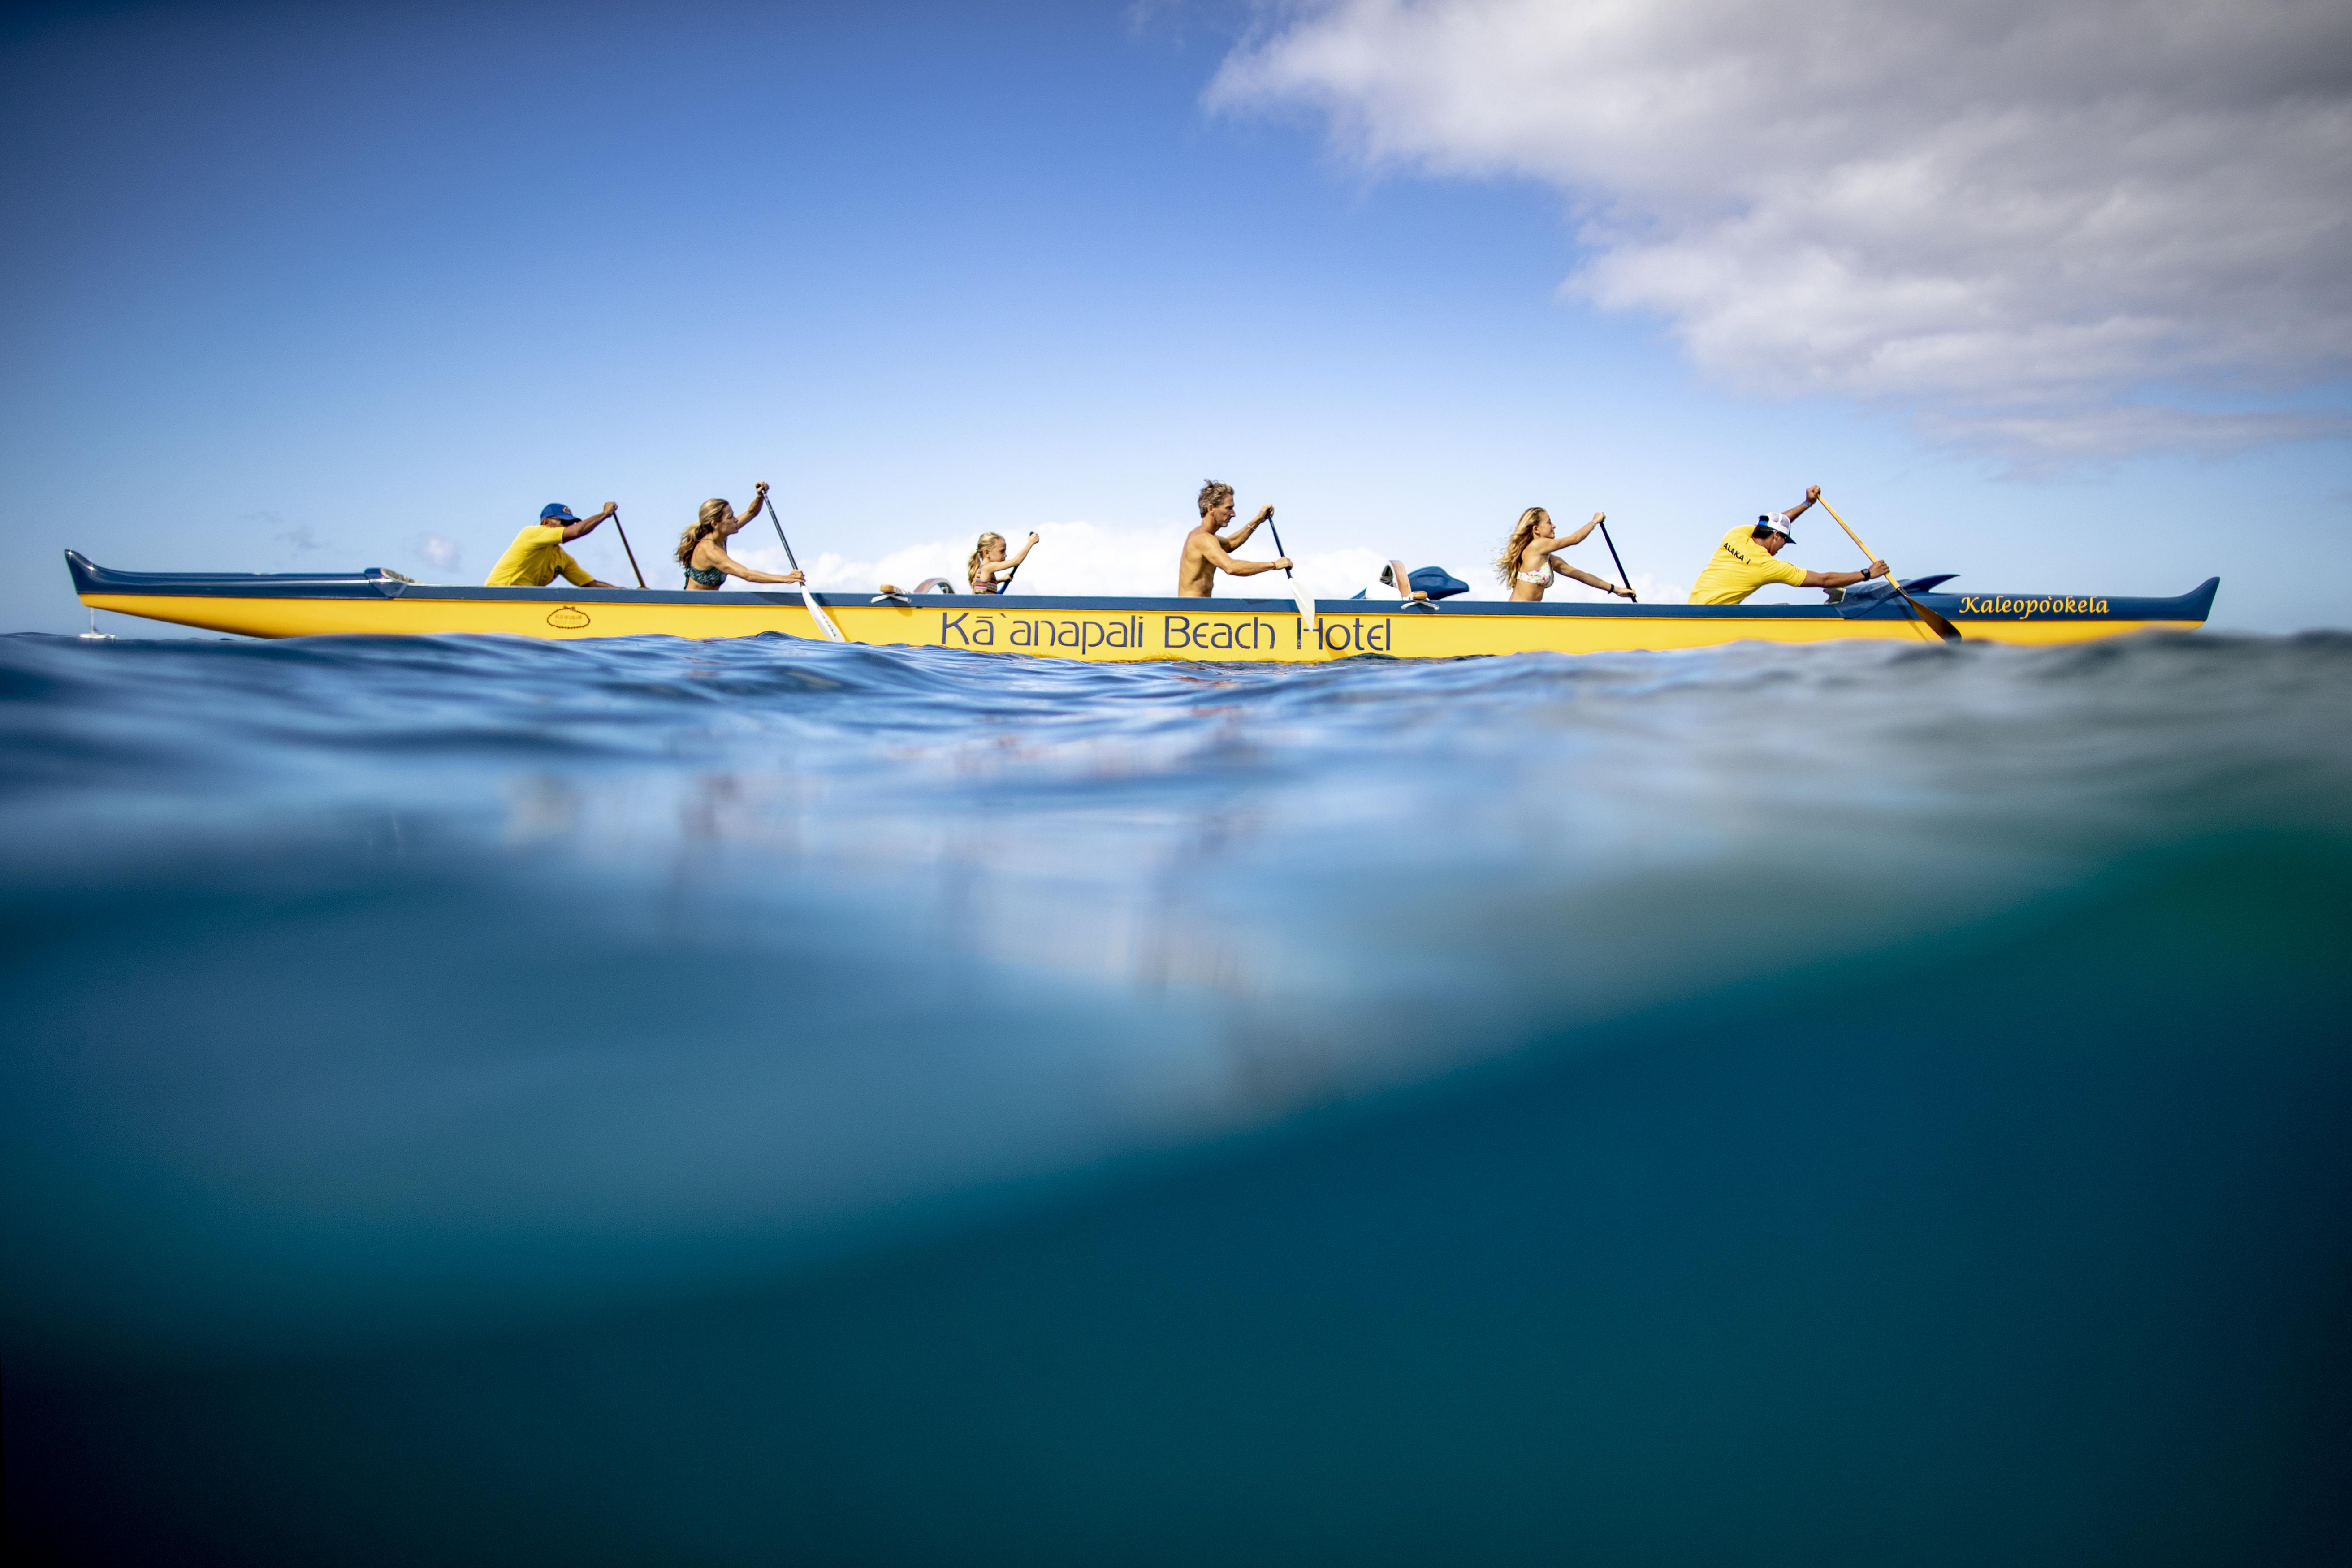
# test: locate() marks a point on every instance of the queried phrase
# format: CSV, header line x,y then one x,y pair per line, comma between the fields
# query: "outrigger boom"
x,y
377,602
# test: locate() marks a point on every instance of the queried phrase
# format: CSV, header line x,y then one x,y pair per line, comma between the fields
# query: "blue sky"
x,y
300,290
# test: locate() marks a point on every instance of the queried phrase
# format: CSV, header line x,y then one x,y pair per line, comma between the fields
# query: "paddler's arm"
x,y
759,500
572,571
1580,536
1240,536
734,568
573,531
1587,578
1843,579
1017,560
1231,566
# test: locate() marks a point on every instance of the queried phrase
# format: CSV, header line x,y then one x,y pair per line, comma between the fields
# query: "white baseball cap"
x,y
1779,523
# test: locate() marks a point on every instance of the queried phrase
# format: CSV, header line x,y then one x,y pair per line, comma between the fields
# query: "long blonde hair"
x,y
978,557
1506,564
706,523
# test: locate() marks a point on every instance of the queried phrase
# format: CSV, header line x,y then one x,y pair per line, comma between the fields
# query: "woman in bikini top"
x,y
1527,563
988,568
702,549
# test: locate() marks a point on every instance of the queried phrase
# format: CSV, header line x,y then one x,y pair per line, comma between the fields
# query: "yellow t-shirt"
x,y
534,558
1739,566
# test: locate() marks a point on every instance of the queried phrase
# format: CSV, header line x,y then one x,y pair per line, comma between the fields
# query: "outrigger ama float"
x,y
377,602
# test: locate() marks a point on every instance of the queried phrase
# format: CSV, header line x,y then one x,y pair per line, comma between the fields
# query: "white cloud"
x,y
437,550
2061,231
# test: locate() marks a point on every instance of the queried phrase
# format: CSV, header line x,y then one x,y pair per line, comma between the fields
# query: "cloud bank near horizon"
x,y
2054,233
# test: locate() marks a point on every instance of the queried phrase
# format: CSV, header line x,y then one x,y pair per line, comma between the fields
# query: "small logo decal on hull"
x,y
571,618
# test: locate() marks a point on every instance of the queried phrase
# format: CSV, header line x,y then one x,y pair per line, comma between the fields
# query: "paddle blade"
x,y
1936,623
1305,604
831,632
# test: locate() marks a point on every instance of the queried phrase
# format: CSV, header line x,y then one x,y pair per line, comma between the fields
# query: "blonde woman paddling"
x,y
988,568
702,549
1528,565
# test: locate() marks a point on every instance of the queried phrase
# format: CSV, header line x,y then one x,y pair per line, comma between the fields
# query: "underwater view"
x,y
473,1100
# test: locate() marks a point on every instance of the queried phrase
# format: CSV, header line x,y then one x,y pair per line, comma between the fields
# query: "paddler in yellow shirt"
x,y
537,554
1748,559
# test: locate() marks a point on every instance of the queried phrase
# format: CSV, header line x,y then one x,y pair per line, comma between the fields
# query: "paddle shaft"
x,y
1305,604
624,545
831,632
1942,627
1621,565
791,561
1278,550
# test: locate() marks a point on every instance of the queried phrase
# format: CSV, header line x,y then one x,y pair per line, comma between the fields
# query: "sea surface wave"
x,y
375,998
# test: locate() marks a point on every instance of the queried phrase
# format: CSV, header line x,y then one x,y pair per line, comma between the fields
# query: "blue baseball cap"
x,y
558,509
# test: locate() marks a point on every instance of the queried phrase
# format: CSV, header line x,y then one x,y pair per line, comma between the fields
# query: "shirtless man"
x,y
1208,552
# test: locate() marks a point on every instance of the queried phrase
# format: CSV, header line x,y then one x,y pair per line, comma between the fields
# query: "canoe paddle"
x,y
1937,623
624,545
1305,604
808,597
1621,565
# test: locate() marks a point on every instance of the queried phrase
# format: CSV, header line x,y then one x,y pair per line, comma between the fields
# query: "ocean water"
x,y
477,1101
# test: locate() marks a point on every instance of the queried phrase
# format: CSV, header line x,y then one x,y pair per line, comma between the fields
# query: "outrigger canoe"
x,y
377,602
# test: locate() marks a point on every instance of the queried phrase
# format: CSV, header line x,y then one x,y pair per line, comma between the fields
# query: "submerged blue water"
x,y
473,1100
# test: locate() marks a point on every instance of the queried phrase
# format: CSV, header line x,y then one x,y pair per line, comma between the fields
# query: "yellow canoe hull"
x,y
1105,630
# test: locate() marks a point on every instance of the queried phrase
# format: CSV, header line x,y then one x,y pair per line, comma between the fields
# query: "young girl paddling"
x,y
702,549
988,568
1527,564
